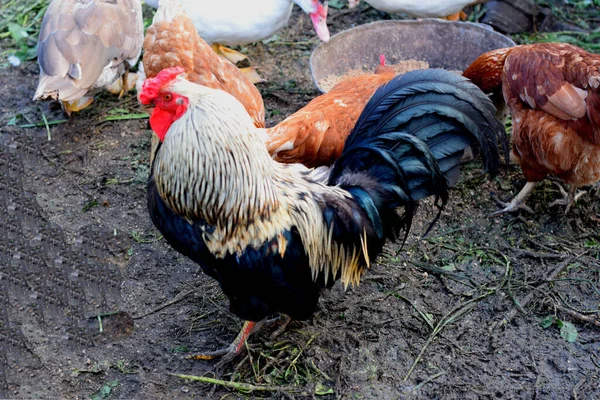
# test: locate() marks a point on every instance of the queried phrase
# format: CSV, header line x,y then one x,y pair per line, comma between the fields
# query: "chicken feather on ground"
x,y
553,93
272,235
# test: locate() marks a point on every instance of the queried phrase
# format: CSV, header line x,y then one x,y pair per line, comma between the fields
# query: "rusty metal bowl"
x,y
444,44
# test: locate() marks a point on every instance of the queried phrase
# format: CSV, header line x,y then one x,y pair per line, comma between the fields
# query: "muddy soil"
x,y
94,303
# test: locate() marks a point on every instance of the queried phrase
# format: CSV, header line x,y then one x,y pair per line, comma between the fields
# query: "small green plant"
x,y
180,349
25,49
105,390
96,369
322,390
125,368
89,205
140,237
337,4
567,330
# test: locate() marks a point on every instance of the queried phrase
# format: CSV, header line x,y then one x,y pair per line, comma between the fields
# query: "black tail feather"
x,y
410,139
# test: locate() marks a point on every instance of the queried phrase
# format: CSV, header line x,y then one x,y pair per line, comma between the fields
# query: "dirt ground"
x,y
95,304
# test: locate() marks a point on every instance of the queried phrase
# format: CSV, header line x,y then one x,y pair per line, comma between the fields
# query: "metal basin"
x,y
443,44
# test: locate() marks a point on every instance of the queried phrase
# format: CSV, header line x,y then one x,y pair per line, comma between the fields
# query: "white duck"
x,y
85,46
449,9
239,22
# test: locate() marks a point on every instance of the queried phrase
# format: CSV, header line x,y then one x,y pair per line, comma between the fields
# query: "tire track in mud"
x,y
54,296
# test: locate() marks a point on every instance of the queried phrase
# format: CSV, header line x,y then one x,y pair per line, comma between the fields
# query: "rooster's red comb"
x,y
152,86
381,59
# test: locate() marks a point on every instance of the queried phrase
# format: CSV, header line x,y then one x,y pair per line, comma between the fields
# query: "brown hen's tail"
x,y
486,70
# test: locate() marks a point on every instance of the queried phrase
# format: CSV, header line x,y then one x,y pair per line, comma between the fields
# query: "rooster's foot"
x,y
252,75
459,16
230,352
226,352
284,322
123,84
513,206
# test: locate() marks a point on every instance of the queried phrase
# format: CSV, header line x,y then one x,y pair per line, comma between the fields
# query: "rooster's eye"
x,y
167,97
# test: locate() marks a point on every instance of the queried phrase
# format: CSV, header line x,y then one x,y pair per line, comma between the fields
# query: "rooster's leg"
x,y
234,348
568,198
518,203
284,324
235,57
229,352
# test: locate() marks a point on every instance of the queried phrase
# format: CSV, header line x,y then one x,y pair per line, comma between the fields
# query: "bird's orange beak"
x,y
319,20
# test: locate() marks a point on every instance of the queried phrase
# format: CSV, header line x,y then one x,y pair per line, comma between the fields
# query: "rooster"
x,y
552,91
272,234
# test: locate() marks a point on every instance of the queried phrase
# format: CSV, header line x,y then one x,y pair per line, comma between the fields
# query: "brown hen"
x,y
315,134
552,92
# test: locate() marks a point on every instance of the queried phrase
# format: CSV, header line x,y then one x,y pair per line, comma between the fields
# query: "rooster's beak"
x,y
148,108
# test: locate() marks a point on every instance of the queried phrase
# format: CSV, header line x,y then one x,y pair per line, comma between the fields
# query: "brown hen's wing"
x,y
551,77
172,41
550,88
79,38
315,135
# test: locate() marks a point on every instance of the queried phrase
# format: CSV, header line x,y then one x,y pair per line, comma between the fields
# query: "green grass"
x,y
105,391
582,14
283,366
589,41
20,22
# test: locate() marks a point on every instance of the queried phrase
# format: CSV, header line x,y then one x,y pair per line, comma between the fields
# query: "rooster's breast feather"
x,y
259,281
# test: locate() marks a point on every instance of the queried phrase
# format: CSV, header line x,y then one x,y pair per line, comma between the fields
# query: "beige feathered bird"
x,y
86,46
